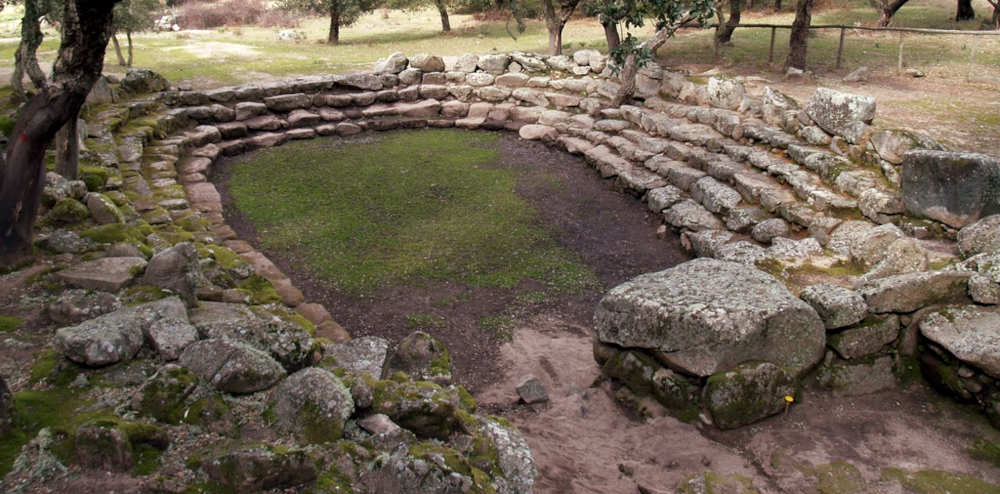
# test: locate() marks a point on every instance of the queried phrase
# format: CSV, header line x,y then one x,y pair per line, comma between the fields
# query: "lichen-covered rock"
x,y
904,255
176,269
6,408
76,305
868,338
768,229
837,306
103,209
662,198
312,404
971,334
467,63
63,241
706,316
911,291
892,144
724,92
954,188
364,355
840,113
748,393
513,457
426,409
983,236
422,357
427,63
287,342
165,393
869,247
857,377
138,81
103,446
67,212
260,468
646,376
690,215
532,390
494,64
394,64
117,336
108,274
170,336
232,366
714,195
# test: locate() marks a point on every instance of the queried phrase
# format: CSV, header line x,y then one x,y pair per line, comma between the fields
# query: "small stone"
x,y
378,424
422,357
768,229
531,390
260,469
972,334
103,209
103,447
108,274
232,366
313,404
837,306
869,338
74,306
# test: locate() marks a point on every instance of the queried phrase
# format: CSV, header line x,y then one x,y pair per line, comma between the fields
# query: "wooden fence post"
x,y
770,54
840,48
972,55
899,61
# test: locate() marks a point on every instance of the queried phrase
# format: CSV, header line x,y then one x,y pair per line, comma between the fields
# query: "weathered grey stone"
x,y
103,209
870,245
877,204
663,197
954,188
170,336
260,469
724,92
494,64
846,235
768,229
422,357
103,446
513,457
138,81
232,366
249,109
904,255
289,343
837,306
116,336
706,316
692,216
303,118
742,252
868,338
747,394
531,390
970,333
911,291
479,79
534,132
358,356
840,113
705,243
493,93
983,236
176,269
108,274
859,377
892,144
313,404
467,63
786,248
75,305
425,408
427,63
714,195
530,96
393,64
63,241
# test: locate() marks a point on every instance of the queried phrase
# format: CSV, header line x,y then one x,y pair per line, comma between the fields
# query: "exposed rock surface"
x,y
117,336
954,188
707,316
911,291
314,404
76,305
983,236
531,390
232,366
840,113
287,342
422,357
259,469
868,338
364,355
748,393
970,333
176,269
837,306
108,274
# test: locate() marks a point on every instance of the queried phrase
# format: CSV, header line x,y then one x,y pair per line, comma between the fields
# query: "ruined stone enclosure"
x,y
833,254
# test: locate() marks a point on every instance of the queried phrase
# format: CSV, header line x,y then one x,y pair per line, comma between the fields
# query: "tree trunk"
x,y
128,36
724,33
996,17
887,10
798,40
556,21
777,4
86,28
118,51
555,39
611,35
631,67
68,149
334,37
25,58
964,11
443,10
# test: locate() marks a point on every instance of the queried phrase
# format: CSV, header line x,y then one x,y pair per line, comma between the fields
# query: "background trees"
x,y
557,14
132,16
341,12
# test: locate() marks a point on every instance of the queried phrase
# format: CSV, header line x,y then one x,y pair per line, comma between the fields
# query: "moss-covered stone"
x,y
939,482
751,392
714,483
67,212
164,395
261,291
425,408
95,177
644,376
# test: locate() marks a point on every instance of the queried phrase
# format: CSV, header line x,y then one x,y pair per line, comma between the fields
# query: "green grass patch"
x,y
414,206
424,321
497,324
984,449
9,323
939,482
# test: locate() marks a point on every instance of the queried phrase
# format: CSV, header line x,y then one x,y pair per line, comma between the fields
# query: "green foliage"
x,y
9,323
422,205
135,15
341,12
629,15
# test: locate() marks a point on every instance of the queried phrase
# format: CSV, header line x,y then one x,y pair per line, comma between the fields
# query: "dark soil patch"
x,y
613,234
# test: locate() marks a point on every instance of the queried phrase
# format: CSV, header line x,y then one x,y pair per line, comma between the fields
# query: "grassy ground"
x,y
406,207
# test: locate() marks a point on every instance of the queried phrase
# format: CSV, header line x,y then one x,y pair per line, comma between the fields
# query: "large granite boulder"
x,y
393,64
287,342
911,291
954,188
117,336
837,306
108,274
232,366
840,113
358,356
980,237
313,404
707,316
971,334
138,81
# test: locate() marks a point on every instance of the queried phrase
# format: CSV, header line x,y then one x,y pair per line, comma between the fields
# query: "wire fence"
x,y
901,30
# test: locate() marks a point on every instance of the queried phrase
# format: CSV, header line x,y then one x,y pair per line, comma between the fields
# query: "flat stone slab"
x,y
108,274
707,316
911,291
360,355
970,333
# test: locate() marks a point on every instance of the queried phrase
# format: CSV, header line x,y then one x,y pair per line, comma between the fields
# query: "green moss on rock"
x,y
67,212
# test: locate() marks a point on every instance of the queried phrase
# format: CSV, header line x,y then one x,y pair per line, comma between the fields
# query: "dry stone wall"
x,y
813,194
